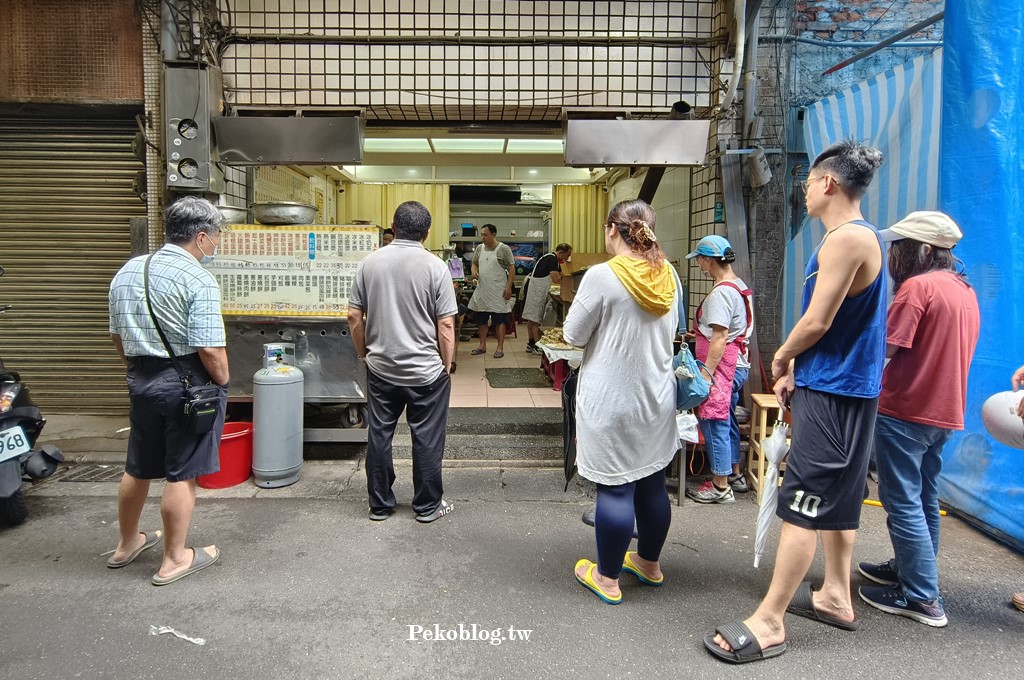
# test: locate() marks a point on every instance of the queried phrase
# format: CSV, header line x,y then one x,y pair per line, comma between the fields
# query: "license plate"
x,y
13,443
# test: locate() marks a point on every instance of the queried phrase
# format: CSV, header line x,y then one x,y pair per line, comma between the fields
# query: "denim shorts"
x,y
718,444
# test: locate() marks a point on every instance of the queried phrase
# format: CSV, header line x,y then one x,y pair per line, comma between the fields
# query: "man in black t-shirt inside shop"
x,y
547,271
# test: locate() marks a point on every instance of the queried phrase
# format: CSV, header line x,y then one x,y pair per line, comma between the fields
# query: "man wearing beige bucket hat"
x,y
931,333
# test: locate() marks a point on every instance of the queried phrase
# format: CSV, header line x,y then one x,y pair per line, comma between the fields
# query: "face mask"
x,y
206,259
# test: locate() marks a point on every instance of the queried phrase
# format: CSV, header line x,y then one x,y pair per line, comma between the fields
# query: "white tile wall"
x,y
499,76
671,204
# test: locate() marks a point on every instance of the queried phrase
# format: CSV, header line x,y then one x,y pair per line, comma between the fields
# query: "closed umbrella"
x,y
774,449
569,426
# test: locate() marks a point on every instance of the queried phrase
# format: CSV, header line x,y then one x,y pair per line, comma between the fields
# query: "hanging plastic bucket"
x,y
235,457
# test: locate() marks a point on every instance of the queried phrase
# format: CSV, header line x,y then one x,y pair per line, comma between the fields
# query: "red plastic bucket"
x,y
235,457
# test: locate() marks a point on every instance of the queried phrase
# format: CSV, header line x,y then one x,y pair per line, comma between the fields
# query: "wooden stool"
x,y
764,411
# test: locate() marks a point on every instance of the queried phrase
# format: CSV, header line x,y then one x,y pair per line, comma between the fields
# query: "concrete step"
x,y
500,421
467,420
491,447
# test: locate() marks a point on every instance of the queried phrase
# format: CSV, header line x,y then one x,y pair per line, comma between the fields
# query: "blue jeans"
x,y
717,445
738,381
722,437
909,461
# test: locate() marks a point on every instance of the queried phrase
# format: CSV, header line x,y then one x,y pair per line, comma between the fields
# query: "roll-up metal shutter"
x,y
65,201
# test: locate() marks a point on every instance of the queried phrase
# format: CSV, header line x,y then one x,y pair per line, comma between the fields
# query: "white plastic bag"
x,y
686,425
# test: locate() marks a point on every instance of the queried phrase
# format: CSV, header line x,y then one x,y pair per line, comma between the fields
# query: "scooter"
x,y
20,426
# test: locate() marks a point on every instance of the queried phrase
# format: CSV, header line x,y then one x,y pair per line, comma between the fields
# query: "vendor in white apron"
x,y
494,268
546,272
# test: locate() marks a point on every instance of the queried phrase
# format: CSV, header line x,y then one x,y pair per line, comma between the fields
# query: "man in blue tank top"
x,y
829,373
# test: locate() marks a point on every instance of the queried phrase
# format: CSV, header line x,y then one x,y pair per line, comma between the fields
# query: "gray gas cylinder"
x,y
277,426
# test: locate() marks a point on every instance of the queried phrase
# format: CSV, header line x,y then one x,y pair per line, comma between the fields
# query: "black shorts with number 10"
x,y
825,482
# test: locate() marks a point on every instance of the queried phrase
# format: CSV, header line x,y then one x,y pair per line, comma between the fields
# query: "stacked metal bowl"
x,y
233,215
283,213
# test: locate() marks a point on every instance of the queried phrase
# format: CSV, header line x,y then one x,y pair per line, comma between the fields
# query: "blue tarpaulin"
x,y
951,127
982,169
896,112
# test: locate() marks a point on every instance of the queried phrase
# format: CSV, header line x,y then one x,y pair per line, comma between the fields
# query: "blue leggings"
x,y
644,500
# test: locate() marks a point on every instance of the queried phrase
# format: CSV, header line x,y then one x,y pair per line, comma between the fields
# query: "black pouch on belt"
x,y
200,410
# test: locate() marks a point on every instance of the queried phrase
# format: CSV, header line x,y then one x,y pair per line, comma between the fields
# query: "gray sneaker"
x,y
738,482
892,600
707,493
882,572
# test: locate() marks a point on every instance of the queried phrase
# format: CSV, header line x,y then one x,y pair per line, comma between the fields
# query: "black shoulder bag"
x,y
201,401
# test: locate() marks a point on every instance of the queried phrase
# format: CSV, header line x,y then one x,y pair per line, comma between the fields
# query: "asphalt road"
x,y
308,587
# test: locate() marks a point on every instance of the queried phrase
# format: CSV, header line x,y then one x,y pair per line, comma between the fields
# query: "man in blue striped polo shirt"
x,y
186,301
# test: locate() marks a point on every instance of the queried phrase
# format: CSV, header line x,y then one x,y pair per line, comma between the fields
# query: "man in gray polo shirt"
x,y
401,313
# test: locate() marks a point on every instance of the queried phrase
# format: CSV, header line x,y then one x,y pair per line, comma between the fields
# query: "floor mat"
x,y
517,377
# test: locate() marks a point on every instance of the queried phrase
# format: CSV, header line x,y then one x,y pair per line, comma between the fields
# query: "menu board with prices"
x,y
289,271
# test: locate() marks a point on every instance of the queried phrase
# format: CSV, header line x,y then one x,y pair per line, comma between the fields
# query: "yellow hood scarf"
x,y
652,290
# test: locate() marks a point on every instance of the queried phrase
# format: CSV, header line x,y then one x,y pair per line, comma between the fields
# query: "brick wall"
x,y
858,21
864,19
71,52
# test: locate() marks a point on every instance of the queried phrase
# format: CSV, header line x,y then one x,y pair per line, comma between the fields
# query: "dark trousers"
x,y
426,408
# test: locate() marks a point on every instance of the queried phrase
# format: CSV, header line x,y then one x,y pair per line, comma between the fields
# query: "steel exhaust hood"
x,y
604,143
272,140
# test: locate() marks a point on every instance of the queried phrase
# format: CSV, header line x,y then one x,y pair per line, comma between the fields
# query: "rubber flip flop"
x,y
498,355
745,647
200,560
151,540
629,567
477,352
803,605
591,585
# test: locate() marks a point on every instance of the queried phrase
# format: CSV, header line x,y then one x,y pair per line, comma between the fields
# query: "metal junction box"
x,y
193,94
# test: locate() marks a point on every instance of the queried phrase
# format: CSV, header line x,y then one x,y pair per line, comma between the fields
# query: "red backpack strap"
x,y
747,295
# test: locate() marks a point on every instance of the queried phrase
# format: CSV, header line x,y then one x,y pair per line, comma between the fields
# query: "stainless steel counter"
x,y
325,354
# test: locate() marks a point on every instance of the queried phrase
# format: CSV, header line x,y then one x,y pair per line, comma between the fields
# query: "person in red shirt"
x,y
932,331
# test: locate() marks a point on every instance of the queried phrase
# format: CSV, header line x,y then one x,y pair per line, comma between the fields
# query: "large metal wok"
x,y
283,213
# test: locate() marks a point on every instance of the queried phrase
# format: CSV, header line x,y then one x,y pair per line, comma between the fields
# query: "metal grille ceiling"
x,y
65,202
462,60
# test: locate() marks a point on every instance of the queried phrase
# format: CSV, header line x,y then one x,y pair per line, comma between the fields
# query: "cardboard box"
x,y
579,262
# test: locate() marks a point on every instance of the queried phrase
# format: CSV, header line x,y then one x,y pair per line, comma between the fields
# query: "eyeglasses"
x,y
806,182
